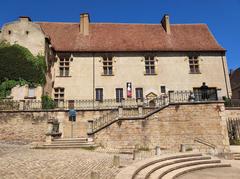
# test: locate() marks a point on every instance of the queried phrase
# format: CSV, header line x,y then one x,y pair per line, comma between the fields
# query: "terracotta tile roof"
x,y
130,37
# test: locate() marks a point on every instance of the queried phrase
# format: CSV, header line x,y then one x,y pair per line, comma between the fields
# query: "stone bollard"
x,y
157,150
116,161
95,175
134,154
183,148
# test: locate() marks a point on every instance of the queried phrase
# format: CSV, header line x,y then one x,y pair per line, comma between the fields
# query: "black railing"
x,y
232,102
171,97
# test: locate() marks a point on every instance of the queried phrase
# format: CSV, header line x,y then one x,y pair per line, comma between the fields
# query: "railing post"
x,y
219,94
140,110
120,111
90,126
170,96
21,105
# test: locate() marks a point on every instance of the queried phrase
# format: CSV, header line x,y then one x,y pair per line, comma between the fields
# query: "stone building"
x,y
235,83
100,61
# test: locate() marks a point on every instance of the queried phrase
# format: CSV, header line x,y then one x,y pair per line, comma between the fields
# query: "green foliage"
x,y
18,66
235,142
48,102
17,62
7,85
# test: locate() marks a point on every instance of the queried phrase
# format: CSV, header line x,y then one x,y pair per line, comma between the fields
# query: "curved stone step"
x,y
131,171
176,173
165,170
145,173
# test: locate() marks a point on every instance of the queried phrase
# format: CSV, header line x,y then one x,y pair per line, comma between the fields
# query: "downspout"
x,y
223,64
93,78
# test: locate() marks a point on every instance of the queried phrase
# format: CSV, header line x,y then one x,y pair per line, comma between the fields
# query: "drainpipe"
x,y
93,78
225,78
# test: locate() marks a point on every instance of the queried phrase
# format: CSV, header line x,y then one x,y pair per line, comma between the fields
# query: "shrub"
x,y
48,102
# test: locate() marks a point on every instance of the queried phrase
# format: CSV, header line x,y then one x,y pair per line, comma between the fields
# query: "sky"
x,y
222,16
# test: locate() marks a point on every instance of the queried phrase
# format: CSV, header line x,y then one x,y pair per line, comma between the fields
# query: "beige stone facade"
x,y
172,71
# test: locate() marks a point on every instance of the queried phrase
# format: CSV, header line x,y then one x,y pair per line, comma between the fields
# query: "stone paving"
x,y
21,162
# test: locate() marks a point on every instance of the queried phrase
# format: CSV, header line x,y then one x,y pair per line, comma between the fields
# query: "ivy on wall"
x,y
18,66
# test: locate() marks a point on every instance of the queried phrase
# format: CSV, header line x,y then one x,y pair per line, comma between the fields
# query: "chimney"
x,y
84,23
25,19
166,23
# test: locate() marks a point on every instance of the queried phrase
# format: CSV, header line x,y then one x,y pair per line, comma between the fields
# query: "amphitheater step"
x,y
176,173
236,156
161,173
168,165
146,172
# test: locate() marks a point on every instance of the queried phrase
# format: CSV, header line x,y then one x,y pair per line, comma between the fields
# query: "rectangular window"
x,y
194,64
107,65
163,89
99,94
64,67
58,94
149,65
119,94
139,93
31,92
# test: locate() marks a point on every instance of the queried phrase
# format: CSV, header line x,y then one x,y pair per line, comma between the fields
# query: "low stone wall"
x,y
169,128
30,126
233,112
23,126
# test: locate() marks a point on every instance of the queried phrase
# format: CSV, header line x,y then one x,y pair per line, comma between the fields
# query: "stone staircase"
x,y
68,143
236,156
169,166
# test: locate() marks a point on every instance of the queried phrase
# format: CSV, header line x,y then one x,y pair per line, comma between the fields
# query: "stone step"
x,y
236,158
176,173
132,170
70,144
160,173
70,139
66,147
146,172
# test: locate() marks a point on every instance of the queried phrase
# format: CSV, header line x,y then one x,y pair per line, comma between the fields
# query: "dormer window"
x,y
150,65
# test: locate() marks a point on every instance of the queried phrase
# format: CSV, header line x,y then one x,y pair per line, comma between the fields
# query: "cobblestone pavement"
x,y
21,162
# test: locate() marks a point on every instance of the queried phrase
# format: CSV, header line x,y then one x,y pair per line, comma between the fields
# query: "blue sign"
x,y
72,113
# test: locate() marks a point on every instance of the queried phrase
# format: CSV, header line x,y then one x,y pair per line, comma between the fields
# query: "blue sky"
x,y
222,16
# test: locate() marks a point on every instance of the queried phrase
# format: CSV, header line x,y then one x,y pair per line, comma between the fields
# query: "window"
x,y
149,65
194,64
9,32
139,93
31,92
27,32
64,67
119,94
99,94
163,89
58,94
107,65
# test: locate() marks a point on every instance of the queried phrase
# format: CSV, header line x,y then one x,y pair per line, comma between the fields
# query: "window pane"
x,y
61,71
163,89
66,71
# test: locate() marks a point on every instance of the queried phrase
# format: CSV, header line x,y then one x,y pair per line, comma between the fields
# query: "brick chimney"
x,y
166,23
84,23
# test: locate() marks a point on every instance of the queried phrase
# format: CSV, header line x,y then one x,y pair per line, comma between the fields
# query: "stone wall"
x,y
32,126
23,126
169,128
233,112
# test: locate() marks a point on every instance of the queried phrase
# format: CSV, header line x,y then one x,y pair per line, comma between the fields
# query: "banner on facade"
x,y
129,89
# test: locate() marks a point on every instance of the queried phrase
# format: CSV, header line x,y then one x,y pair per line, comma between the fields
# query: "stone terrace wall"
x,y
233,112
23,126
27,126
169,128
